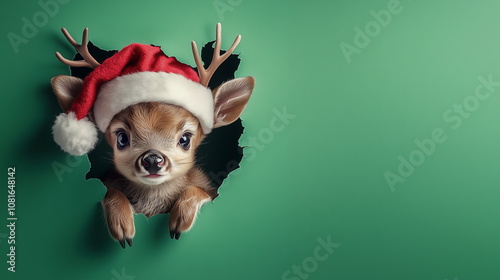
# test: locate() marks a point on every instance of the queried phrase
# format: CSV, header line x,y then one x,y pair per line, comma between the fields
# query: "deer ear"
x,y
230,99
66,88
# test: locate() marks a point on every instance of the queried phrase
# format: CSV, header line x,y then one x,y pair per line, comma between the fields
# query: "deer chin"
x,y
153,179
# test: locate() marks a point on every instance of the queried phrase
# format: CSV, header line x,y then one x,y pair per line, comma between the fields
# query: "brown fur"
x,y
183,188
119,215
157,126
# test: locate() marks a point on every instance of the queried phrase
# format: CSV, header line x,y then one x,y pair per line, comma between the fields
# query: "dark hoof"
x,y
175,234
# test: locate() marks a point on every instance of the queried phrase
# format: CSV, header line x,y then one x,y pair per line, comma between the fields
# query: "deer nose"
x,y
152,161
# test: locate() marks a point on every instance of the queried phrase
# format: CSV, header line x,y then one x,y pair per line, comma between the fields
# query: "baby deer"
x,y
154,141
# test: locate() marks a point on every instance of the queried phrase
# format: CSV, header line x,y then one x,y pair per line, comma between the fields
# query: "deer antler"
x,y
88,60
217,59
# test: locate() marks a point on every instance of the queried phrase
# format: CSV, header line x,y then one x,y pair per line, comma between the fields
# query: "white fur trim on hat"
x,y
76,137
131,89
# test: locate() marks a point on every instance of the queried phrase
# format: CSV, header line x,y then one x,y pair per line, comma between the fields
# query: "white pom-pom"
x,y
76,137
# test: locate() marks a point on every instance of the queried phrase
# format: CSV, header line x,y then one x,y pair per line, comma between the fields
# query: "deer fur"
x,y
182,188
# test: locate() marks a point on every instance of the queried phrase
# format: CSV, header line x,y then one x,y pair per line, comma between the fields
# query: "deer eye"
x,y
121,139
185,140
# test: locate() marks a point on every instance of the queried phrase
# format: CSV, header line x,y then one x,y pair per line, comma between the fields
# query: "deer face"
x,y
153,142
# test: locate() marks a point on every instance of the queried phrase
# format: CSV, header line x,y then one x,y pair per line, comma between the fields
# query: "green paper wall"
x,y
373,143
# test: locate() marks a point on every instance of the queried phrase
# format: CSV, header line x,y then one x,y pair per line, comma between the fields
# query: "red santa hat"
x,y
138,73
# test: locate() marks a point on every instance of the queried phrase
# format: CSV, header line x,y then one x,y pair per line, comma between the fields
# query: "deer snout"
x,y
153,161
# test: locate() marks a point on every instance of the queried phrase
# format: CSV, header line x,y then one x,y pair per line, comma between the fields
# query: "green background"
x,y
319,175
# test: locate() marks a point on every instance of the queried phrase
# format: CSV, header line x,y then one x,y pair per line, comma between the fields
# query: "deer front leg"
x,y
185,209
119,216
